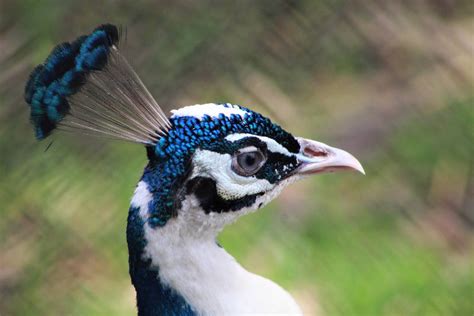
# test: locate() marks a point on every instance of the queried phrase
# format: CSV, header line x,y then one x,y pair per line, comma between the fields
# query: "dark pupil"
x,y
249,161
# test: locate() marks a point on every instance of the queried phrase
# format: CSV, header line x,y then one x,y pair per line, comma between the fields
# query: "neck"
x,y
153,296
179,268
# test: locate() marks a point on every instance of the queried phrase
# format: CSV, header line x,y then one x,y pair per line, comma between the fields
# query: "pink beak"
x,y
317,157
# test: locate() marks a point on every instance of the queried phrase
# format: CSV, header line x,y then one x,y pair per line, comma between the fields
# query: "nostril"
x,y
315,152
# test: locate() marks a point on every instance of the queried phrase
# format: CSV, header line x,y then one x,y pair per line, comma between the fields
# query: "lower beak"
x,y
316,157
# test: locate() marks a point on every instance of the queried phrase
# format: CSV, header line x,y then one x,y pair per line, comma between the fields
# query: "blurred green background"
x,y
389,81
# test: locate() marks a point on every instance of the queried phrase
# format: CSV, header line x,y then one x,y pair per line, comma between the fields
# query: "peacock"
x,y
208,165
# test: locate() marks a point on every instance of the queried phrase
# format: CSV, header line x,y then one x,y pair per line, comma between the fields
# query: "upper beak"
x,y
316,157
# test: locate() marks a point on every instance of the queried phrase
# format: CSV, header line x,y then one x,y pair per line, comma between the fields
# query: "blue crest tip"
x,y
63,74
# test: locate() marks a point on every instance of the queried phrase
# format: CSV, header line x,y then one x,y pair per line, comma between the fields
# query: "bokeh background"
x,y
390,81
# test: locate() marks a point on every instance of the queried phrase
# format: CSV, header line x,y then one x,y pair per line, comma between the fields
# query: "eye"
x,y
247,161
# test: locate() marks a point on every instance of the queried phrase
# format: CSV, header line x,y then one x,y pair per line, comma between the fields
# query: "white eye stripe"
x,y
248,149
272,145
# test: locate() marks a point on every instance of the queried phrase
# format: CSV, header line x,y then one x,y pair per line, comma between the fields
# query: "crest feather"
x,y
88,86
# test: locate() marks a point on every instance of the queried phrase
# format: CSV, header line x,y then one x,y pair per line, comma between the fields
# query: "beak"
x,y
317,157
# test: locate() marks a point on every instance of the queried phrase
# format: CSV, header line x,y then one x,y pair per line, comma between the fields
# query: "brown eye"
x,y
248,161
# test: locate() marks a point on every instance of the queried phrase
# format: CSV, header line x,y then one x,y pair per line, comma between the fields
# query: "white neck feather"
x,y
204,274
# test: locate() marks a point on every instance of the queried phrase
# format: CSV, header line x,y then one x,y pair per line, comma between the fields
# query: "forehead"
x,y
199,125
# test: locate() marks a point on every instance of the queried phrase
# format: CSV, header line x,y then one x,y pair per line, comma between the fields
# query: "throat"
x,y
198,270
174,273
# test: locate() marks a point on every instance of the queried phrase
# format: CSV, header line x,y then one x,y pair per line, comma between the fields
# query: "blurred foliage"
x,y
390,81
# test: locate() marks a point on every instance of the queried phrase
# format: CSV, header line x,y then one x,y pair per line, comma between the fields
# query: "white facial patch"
x,y
272,144
230,185
211,109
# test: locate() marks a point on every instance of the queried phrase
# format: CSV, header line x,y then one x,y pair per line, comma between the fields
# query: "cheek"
x,y
229,185
204,190
232,191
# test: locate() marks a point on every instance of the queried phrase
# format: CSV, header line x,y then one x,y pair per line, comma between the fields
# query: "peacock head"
x,y
208,164
221,161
